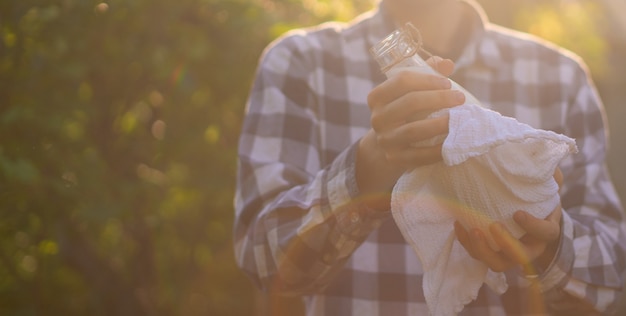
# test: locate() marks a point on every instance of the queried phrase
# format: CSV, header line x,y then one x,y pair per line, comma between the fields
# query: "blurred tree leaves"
x,y
576,25
118,131
581,26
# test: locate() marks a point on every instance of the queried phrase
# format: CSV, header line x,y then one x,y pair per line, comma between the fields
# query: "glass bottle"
x,y
399,51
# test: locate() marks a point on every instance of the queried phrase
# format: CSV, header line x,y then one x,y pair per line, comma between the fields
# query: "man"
x,y
325,138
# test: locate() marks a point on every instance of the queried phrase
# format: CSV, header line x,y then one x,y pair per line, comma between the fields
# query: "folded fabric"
x,y
492,166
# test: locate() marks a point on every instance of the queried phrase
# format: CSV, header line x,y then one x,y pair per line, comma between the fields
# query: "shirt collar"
x,y
482,49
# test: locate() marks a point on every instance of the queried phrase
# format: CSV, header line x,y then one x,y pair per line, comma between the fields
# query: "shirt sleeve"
x,y
296,220
587,272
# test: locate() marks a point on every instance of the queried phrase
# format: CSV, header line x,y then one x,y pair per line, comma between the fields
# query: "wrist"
x,y
374,174
542,263
545,259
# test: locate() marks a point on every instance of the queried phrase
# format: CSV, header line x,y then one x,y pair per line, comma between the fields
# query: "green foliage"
x,y
577,26
580,26
118,130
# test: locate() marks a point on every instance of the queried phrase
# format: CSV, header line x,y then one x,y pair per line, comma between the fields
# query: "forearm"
x,y
304,234
587,272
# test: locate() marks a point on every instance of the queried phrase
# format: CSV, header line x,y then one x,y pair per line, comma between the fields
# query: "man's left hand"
x,y
533,252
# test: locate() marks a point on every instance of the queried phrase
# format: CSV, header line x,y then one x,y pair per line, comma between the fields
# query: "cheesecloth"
x,y
492,166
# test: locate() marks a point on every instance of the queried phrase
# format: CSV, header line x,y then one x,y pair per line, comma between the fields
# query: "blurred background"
x,y
118,130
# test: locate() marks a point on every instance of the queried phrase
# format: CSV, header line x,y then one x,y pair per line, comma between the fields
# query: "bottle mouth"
x,y
400,44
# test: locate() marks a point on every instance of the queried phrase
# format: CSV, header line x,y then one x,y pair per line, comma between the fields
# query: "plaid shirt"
x,y
300,228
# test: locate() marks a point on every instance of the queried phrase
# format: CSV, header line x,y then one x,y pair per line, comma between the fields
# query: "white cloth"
x,y
492,166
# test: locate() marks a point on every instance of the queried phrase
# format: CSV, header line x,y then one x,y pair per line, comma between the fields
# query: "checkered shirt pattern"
x,y
300,228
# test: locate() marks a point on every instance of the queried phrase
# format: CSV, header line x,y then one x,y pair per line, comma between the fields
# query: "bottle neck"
x,y
399,46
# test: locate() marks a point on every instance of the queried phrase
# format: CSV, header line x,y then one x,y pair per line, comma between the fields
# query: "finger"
x,y
433,100
547,230
413,105
412,157
479,249
408,134
443,66
404,82
512,248
558,177
463,237
461,234
494,260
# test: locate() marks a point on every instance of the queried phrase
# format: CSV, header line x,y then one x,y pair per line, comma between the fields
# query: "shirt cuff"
x,y
556,273
354,217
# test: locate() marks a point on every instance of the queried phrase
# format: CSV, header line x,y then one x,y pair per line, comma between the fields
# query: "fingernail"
x,y
444,83
458,96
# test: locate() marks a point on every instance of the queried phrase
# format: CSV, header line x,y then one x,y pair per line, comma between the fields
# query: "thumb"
x,y
558,177
443,66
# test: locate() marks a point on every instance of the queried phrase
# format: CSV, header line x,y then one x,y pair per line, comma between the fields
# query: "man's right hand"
x,y
399,109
